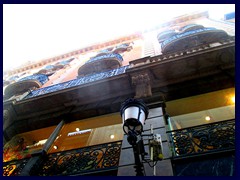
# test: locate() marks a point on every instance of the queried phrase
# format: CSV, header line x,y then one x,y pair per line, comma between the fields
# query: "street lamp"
x,y
134,114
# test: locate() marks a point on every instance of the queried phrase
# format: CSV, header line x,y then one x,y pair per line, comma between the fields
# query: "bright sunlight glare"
x,y
33,32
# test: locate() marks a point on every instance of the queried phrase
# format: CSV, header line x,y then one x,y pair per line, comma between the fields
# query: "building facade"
x,y
61,115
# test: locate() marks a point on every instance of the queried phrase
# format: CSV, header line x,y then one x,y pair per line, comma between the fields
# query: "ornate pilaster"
x,y
142,83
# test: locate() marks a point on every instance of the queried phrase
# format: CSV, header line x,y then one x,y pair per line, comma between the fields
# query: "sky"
x,y
32,32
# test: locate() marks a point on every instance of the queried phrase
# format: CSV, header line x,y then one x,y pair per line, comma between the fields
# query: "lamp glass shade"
x,y
133,118
134,113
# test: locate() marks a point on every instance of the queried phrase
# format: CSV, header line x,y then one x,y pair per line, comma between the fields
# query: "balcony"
x,y
192,38
101,63
183,53
77,82
122,48
13,78
191,27
65,62
51,69
203,139
40,77
165,35
14,168
88,160
24,84
103,52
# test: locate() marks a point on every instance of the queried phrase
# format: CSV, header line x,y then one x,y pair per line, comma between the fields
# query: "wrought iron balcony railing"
x,y
24,84
185,34
77,82
42,78
191,27
97,158
49,67
122,48
13,78
166,34
14,168
207,138
192,38
100,63
103,52
106,56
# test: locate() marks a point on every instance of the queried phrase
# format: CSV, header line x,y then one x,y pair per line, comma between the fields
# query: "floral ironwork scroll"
x,y
14,168
203,138
84,160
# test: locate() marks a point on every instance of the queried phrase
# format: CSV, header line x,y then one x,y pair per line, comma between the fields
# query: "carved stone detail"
x,y
142,83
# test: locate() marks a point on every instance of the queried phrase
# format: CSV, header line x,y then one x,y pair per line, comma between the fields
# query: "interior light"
x,y
207,118
55,147
77,129
233,99
112,136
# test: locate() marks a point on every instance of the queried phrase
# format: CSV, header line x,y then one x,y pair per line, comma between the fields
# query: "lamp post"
x,y
134,113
